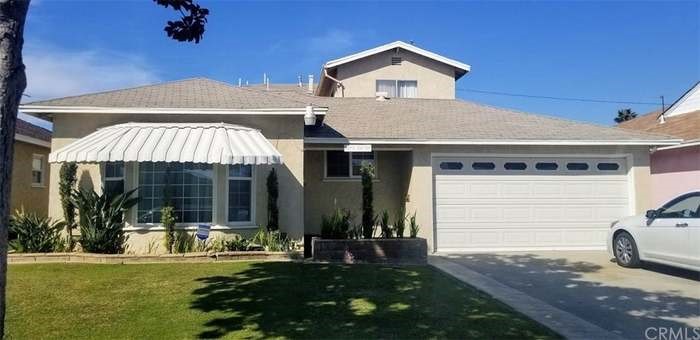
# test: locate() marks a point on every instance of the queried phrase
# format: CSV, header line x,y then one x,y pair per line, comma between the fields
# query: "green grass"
x,y
252,300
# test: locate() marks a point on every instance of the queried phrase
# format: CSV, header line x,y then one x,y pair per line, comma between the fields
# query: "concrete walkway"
x,y
582,295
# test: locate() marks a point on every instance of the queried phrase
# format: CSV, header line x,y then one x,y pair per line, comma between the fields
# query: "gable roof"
x,y
30,133
194,93
685,126
435,121
402,45
688,102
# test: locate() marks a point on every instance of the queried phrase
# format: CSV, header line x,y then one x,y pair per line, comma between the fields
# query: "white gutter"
x,y
32,140
147,110
318,140
695,142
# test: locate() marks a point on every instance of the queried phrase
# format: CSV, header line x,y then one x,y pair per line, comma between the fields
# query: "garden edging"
x,y
165,258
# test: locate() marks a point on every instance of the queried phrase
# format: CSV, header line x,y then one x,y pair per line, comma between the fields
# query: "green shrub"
x,y
167,218
183,242
413,226
384,225
273,212
66,185
337,225
236,243
368,220
272,240
102,220
400,222
35,234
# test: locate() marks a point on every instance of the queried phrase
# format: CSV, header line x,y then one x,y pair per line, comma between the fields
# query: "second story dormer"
x,y
394,70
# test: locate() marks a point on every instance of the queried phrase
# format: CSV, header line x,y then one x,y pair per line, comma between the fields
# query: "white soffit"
x,y
213,143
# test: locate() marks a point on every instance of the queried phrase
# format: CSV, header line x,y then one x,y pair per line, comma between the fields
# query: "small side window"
x,y
483,166
451,165
548,166
515,166
577,166
608,166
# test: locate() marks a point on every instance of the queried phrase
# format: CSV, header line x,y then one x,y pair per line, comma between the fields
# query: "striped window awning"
x,y
213,143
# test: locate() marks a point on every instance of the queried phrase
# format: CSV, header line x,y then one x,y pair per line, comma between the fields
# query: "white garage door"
x,y
492,203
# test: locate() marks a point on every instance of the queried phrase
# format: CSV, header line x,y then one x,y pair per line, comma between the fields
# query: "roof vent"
x,y
396,60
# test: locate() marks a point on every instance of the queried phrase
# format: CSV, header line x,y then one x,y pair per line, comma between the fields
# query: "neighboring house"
x,y
30,169
477,176
674,169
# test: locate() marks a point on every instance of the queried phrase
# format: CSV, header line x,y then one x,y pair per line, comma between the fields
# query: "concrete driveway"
x,y
588,285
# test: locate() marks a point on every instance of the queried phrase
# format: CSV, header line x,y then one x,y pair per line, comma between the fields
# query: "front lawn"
x,y
252,300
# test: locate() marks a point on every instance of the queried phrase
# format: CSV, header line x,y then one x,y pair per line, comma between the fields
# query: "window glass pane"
x,y
388,86
451,165
407,89
515,166
608,166
239,200
687,207
577,166
186,186
483,166
239,170
337,164
114,169
37,163
360,158
36,177
114,188
546,166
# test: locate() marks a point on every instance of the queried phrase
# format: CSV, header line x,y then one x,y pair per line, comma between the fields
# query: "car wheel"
x,y
626,252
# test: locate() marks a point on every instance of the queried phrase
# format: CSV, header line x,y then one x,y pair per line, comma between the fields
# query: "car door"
x,y
667,237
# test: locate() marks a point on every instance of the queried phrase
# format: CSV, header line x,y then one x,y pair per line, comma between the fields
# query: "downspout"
x,y
338,82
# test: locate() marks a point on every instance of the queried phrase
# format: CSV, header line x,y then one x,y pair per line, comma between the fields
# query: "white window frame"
x,y
253,181
178,225
105,179
42,179
396,87
350,175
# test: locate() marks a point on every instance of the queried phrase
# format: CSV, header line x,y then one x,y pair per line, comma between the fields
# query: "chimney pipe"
x,y
311,83
299,81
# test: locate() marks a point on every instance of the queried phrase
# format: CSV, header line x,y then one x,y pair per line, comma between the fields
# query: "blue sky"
x,y
624,51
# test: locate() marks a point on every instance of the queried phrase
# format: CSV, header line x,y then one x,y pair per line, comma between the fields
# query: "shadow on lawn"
x,y
360,301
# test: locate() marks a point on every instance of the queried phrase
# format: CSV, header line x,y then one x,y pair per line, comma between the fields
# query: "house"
x,y
476,176
675,169
30,169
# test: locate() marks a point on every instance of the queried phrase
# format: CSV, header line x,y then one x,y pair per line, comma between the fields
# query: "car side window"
x,y
682,207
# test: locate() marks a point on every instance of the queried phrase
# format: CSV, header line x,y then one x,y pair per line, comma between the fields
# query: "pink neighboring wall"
x,y
673,172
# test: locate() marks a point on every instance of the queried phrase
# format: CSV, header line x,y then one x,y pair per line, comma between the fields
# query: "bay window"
x,y
186,186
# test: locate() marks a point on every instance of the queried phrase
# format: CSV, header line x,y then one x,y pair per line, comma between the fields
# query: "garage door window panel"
x,y
515,166
547,166
483,166
451,165
608,166
577,166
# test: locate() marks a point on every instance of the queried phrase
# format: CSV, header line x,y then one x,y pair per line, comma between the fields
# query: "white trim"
x,y
253,189
32,140
42,182
631,185
350,177
321,140
185,226
336,148
682,145
515,249
397,44
149,110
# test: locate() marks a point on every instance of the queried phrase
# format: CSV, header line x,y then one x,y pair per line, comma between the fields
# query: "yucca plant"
x,y
101,219
272,240
384,225
35,234
400,222
337,225
413,227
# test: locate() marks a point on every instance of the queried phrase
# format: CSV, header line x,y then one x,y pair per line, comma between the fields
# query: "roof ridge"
x,y
250,89
123,89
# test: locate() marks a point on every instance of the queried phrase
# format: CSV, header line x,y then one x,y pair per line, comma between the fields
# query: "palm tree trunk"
x,y
12,83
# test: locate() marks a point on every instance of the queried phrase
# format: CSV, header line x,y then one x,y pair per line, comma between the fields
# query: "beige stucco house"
x,y
477,176
30,169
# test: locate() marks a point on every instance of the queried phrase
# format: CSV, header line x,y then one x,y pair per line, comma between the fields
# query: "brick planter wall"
x,y
392,250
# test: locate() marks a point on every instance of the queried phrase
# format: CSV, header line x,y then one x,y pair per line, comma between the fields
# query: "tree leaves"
x,y
190,27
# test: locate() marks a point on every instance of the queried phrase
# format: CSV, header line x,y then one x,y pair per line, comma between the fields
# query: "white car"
x,y
669,235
